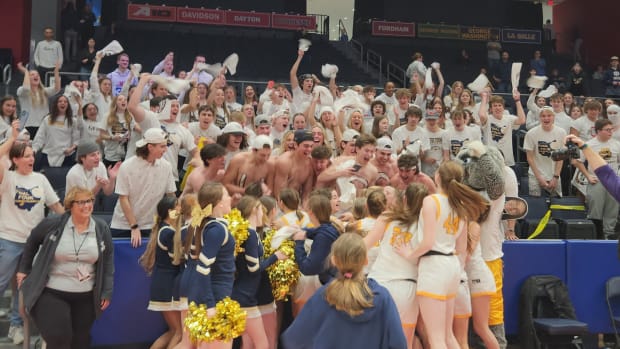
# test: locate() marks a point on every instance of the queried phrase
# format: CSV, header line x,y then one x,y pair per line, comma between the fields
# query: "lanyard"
x,y
77,250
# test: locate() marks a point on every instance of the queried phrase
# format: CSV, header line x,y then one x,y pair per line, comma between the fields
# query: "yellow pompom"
x,y
283,274
227,323
239,228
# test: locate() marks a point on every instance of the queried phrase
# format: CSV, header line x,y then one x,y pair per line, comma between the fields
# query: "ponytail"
x,y
299,215
349,292
147,260
466,202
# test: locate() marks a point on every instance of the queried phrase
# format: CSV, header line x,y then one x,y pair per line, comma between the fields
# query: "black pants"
x,y
64,318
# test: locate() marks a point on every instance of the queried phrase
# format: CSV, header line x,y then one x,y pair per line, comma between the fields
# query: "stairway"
x,y
358,60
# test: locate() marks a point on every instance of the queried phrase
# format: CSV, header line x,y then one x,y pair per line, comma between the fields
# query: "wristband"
x,y
135,226
583,146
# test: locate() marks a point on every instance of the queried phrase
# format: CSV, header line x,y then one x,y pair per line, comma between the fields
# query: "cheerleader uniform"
x,y
249,267
164,272
211,277
396,273
481,282
431,283
181,282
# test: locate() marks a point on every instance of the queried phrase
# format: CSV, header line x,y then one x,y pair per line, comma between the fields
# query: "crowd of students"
x,y
388,238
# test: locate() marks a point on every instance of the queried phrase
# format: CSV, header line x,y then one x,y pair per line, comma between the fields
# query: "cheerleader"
x,y
443,224
399,226
289,202
351,311
161,260
211,276
249,265
266,302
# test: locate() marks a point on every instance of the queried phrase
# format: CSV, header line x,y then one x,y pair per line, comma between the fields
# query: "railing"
x,y
322,24
374,60
357,46
395,73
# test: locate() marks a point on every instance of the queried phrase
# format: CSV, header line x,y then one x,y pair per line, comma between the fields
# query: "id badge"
x,y
83,273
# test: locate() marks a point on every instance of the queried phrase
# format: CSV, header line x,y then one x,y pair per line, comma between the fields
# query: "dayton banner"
x,y
385,28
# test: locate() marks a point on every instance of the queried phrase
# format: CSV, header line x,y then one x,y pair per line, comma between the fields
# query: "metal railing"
x,y
395,73
7,74
374,60
358,47
322,24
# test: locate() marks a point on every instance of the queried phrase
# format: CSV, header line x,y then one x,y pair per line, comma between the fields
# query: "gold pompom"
x,y
239,228
283,274
227,323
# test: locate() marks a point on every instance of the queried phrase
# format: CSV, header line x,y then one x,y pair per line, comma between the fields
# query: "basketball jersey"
x,y
449,225
389,265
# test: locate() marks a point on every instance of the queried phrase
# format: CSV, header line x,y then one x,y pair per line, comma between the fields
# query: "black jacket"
x,y
42,243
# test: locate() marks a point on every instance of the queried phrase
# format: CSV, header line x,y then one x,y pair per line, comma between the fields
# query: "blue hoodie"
x,y
316,262
321,326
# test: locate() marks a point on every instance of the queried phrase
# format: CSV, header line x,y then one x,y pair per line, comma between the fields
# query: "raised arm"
x,y
439,89
6,146
483,112
23,70
94,74
294,68
134,102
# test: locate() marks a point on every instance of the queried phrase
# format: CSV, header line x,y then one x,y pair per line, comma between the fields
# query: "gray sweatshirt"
x,y
47,54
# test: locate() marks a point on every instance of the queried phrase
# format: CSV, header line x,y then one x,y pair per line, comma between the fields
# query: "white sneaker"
x,y
11,332
18,335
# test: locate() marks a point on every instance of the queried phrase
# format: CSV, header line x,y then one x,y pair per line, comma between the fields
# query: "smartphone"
x,y
357,167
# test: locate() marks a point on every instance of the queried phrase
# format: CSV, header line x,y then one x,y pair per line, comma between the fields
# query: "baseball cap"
x,y
261,141
613,58
233,127
302,136
86,147
385,143
326,109
152,136
262,119
350,135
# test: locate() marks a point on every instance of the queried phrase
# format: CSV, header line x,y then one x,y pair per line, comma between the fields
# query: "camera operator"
x,y
540,144
602,208
604,172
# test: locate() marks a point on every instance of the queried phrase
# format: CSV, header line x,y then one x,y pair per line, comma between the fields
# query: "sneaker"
x,y
11,332
18,335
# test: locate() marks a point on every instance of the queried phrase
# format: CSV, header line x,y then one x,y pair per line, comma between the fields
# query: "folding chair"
x,y
612,295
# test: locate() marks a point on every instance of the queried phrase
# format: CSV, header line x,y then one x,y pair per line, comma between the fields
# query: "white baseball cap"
x,y
261,141
152,136
233,127
350,135
385,143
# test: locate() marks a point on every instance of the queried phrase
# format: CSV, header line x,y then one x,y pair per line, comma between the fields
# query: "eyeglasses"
x,y
609,129
82,203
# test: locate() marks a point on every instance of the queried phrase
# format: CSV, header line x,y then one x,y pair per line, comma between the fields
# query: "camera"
x,y
570,152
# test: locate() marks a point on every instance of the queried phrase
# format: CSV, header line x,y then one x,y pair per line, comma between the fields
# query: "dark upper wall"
x,y
296,6
490,13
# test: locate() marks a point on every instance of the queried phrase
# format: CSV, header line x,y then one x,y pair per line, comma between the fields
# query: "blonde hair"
x,y
113,118
359,208
209,194
75,191
349,291
467,203
409,213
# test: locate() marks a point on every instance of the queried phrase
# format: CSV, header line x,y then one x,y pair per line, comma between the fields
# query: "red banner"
x,y
200,16
294,22
384,28
151,13
248,19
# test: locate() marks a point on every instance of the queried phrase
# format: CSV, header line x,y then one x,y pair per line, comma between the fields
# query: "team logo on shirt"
x,y
400,237
497,132
26,199
456,145
605,153
435,143
545,148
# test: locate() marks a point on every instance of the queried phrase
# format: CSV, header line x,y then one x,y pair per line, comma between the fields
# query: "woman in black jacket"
x,y
71,280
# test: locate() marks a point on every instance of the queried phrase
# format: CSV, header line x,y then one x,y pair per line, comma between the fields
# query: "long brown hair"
x,y
349,291
113,118
164,207
467,203
410,212
209,194
290,198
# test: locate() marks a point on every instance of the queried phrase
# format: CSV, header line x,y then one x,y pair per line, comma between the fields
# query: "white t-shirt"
x,y
498,133
78,176
54,139
563,121
454,140
89,130
609,151
32,115
542,143
212,132
399,137
144,184
585,127
23,203
436,144
301,100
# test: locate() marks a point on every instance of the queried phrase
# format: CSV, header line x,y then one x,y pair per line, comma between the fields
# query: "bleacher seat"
x,y
570,214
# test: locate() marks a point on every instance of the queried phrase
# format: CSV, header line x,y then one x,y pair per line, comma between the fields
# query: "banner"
x,y
294,22
385,28
248,19
479,33
439,31
146,12
521,36
200,16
